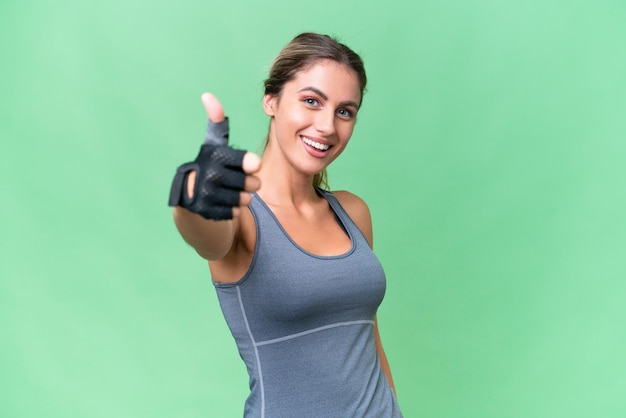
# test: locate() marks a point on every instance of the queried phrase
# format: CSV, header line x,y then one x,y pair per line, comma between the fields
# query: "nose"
x,y
325,122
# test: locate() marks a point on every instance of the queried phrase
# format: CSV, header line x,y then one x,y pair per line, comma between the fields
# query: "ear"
x,y
269,104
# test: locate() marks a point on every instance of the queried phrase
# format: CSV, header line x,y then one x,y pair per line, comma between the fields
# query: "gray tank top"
x,y
304,325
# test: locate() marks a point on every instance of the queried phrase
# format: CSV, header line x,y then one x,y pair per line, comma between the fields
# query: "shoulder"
x,y
357,210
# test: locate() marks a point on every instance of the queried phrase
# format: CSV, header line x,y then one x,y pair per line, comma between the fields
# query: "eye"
x,y
345,113
311,101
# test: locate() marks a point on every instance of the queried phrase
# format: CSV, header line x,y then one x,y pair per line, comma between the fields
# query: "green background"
x,y
491,149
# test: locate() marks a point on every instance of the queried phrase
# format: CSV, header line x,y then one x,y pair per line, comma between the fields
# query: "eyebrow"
x,y
323,96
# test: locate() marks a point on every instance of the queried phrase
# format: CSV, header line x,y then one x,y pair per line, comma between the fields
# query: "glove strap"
x,y
178,192
217,133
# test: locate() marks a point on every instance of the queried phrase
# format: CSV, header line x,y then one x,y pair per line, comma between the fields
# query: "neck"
x,y
282,184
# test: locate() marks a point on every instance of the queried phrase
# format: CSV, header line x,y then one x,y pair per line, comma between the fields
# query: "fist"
x,y
219,181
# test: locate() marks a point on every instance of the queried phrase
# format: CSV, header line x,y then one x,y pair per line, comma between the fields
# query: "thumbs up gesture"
x,y
220,179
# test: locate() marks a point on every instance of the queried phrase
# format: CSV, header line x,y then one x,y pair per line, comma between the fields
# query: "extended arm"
x,y
208,193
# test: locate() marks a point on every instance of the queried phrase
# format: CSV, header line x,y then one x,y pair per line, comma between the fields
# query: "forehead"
x,y
336,81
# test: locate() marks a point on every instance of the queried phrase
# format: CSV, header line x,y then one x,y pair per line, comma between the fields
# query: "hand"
x,y
219,182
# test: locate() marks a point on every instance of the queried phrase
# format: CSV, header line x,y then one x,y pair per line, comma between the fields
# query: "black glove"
x,y
219,177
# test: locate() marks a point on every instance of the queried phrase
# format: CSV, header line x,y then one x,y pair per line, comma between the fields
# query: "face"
x,y
314,116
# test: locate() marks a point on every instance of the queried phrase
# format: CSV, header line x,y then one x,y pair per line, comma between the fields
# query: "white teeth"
x,y
316,145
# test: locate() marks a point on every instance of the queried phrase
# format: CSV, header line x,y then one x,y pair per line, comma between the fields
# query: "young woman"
x,y
292,263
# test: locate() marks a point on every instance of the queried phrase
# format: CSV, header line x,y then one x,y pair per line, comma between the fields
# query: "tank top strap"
x,y
344,219
261,212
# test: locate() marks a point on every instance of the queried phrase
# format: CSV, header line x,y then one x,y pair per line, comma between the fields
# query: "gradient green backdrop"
x,y
491,148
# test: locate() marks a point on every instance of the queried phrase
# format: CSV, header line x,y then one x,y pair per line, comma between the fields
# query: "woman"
x,y
292,263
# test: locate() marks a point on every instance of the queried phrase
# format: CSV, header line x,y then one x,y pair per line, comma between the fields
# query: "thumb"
x,y
213,107
217,129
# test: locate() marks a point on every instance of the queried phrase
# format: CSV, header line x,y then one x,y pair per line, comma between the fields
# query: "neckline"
x,y
343,224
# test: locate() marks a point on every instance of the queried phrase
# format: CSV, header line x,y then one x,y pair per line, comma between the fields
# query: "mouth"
x,y
318,146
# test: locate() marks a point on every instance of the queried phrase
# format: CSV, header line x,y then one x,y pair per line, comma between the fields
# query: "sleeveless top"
x,y
304,325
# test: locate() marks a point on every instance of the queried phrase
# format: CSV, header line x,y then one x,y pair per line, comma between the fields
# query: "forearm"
x,y
384,363
211,239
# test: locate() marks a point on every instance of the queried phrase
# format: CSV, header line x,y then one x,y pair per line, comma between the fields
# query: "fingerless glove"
x,y
219,177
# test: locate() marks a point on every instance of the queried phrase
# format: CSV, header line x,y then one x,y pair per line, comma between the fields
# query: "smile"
x,y
315,144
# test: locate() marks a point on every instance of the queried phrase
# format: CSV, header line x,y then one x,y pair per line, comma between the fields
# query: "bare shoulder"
x,y
358,211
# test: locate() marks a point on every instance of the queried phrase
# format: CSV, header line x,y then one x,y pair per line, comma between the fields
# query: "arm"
x,y
384,364
213,239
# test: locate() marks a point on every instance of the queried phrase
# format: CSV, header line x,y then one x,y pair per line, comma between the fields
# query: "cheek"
x,y
346,131
292,118
299,118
